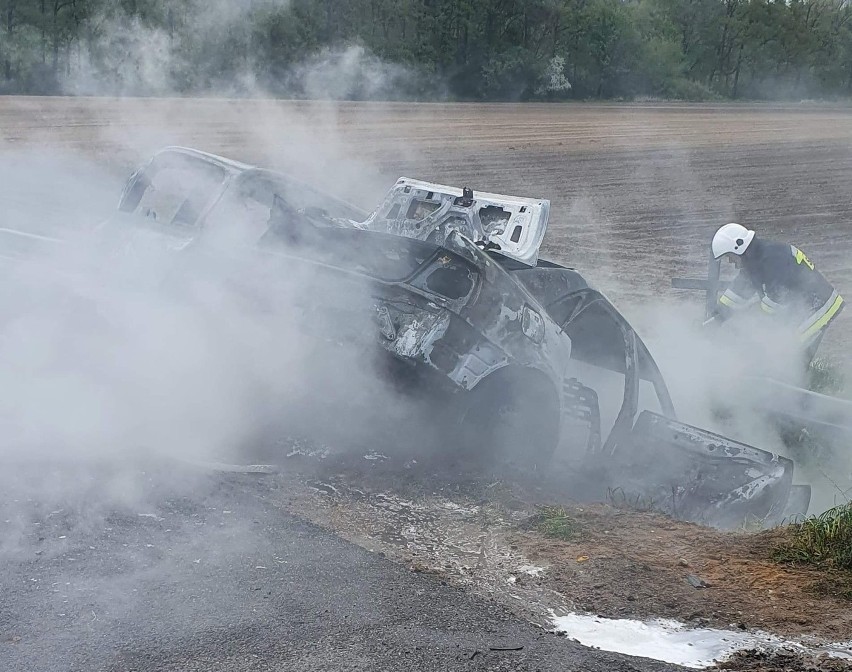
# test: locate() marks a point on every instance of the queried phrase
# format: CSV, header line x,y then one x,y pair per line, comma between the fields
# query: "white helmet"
x,y
731,238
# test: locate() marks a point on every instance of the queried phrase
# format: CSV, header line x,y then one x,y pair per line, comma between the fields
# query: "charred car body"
x,y
526,358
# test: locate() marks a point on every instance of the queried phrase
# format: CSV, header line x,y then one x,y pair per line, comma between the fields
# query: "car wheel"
x,y
510,419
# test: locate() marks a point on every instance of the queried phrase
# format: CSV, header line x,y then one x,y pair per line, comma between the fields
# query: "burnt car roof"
x,y
547,281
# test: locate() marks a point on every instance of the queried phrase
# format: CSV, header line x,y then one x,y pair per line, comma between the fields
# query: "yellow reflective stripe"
x,y
733,300
801,258
825,319
767,305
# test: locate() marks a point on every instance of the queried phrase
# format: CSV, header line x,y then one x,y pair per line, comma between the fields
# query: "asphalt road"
x,y
110,570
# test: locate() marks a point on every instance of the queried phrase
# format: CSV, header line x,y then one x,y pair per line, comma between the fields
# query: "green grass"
x,y
824,540
554,521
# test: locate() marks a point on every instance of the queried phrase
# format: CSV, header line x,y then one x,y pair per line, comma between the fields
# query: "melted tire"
x,y
510,420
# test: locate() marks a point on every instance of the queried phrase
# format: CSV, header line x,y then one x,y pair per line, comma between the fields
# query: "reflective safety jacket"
x,y
786,284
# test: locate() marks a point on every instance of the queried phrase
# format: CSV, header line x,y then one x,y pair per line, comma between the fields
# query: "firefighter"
x,y
782,280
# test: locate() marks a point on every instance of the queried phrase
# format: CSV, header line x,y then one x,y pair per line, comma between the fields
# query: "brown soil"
x,y
632,564
783,661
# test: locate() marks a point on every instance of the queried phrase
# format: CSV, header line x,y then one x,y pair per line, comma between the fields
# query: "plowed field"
x,y
636,190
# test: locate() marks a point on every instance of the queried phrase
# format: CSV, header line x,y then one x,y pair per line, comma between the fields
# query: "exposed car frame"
x,y
516,349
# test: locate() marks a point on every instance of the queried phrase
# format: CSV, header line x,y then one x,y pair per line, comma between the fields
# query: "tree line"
x,y
422,49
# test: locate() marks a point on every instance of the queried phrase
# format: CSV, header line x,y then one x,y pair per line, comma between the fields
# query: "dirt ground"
x,y
636,192
630,564
784,661
618,563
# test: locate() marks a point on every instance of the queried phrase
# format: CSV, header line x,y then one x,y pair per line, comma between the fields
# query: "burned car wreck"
x,y
529,362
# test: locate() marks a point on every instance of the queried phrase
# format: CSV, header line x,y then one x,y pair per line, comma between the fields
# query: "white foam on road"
x,y
674,642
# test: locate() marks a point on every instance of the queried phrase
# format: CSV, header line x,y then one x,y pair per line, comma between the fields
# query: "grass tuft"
x,y
554,521
824,540
620,499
